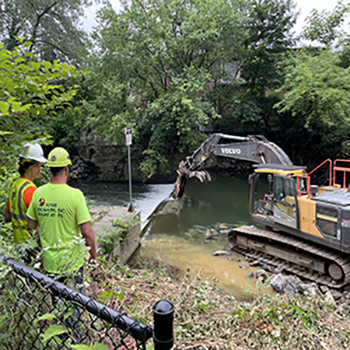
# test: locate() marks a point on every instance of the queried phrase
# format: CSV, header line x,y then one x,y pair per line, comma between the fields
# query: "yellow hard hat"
x,y
58,157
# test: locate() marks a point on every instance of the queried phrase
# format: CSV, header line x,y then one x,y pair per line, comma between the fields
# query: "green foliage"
x,y
58,329
29,94
201,303
274,317
109,108
325,26
51,27
53,331
66,127
96,346
269,37
316,89
115,235
158,60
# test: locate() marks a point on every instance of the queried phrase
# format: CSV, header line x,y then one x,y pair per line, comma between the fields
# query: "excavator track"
x,y
256,243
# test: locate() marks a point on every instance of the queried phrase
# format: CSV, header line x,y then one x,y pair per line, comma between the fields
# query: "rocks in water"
x,y
250,275
170,206
290,285
199,228
211,233
243,266
221,252
193,232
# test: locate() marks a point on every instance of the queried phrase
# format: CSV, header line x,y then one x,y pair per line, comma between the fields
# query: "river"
x,y
177,232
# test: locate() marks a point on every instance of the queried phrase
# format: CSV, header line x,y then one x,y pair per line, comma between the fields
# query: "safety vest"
x,y
18,210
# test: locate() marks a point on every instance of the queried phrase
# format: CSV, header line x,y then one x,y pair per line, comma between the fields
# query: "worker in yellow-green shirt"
x,y
63,217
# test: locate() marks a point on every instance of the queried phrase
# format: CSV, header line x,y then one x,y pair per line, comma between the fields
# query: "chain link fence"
x,y
38,312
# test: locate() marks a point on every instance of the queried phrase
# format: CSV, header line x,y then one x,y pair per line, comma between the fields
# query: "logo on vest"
x,y
41,202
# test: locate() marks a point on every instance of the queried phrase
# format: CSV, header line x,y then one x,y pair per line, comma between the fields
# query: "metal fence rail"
x,y
38,305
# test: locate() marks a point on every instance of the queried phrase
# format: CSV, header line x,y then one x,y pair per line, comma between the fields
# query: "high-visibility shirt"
x,y
21,194
60,209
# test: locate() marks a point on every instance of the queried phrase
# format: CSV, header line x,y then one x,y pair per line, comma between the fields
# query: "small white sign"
x,y
128,136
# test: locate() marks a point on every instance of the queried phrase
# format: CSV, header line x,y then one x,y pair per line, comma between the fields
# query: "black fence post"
x,y
163,316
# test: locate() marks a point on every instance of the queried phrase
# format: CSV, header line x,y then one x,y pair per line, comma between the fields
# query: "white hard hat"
x,y
33,151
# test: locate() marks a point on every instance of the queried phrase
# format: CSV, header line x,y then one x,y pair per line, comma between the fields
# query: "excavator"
x,y
301,227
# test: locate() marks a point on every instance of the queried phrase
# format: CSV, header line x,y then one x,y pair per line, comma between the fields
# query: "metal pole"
x,y
130,187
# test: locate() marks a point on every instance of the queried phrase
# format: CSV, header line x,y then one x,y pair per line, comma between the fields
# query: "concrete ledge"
x,y
102,219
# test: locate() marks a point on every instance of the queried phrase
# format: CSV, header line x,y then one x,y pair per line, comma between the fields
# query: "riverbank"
x,y
206,318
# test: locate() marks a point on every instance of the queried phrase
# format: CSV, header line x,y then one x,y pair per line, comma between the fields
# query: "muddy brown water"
x,y
176,231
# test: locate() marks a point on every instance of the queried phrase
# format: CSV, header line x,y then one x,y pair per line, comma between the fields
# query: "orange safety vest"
x,y
18,209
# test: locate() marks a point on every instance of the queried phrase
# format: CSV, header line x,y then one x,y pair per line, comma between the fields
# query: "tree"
x,y
317,97
269,37
51,26
163,55
29,94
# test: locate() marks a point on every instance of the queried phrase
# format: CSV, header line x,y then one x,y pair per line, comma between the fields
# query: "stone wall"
x,y
98,160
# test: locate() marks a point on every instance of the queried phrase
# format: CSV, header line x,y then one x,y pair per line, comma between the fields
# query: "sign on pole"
x,y
128,136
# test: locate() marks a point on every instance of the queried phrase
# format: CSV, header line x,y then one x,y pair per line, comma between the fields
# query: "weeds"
x,y
207,319
114,236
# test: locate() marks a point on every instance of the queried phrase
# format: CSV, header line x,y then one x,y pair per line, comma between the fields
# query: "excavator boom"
x,y
254,148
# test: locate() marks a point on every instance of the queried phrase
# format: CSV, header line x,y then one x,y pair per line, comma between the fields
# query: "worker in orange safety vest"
x,y
22,189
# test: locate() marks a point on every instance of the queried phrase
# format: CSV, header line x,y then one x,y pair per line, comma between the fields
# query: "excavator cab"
x,y
279,205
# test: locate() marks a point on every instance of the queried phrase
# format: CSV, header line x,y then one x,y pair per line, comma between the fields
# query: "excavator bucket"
x,y
201,175
180,183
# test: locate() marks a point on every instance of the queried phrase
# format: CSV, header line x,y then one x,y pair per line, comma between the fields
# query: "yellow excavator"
x,y
303,228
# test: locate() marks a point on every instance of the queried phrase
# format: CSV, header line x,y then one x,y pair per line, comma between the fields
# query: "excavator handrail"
x,y
330,170
344,170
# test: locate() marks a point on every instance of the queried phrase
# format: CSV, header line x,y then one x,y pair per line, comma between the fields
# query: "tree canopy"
x,y
163,55
176,70
269,36
52,27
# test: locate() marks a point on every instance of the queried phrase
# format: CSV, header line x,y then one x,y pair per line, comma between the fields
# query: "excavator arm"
x,y
254,148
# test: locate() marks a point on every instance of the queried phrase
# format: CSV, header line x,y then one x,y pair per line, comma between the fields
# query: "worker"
x,y
22,190
63,216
